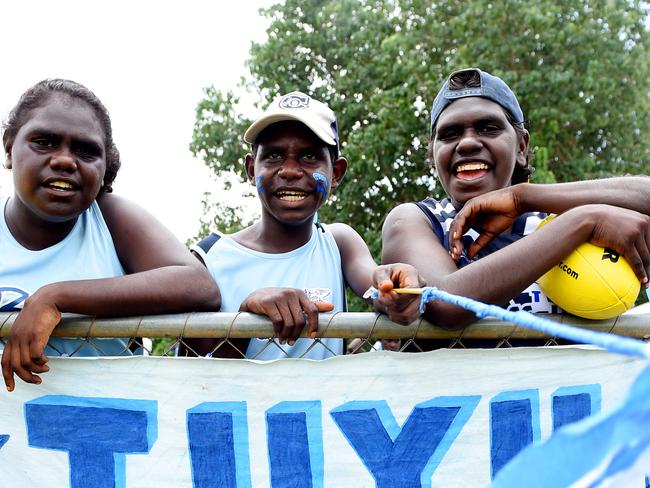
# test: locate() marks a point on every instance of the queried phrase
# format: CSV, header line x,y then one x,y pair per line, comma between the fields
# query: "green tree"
x,y
581,70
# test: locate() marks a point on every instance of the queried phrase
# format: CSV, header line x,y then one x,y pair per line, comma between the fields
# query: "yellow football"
x,y
591,282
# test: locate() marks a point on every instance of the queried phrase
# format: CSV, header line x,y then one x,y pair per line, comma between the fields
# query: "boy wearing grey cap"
x,y
471,243
285,266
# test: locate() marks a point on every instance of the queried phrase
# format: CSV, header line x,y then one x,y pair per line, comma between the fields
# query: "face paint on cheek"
x,y
258,184
322,184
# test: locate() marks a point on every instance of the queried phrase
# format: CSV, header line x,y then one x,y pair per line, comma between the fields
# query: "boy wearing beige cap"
x,y
285,266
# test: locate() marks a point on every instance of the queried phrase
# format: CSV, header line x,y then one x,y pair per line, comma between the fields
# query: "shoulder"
x,y
410,216
405,212
141,241
341,232
118,210
348,240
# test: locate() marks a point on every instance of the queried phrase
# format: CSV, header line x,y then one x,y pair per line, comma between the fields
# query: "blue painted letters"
x,y
218,442
295,444
97,433
405,457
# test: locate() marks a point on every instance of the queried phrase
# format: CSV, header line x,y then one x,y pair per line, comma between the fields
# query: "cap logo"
x,y
294,101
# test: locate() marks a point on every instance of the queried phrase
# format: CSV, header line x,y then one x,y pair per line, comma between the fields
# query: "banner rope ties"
x,y
612,342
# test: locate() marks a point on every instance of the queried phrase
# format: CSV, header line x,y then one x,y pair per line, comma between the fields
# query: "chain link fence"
x,y
227,334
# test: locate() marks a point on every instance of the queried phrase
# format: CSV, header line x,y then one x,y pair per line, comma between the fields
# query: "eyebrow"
x,y
86,141
488,119
315,148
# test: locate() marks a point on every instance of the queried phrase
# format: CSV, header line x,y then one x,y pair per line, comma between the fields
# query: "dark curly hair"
x,y
472,79
40,93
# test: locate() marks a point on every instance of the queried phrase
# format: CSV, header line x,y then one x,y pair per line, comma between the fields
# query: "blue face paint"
x,y
322,185
258,184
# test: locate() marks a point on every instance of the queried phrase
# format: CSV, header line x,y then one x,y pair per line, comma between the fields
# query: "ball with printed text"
x,y
591,282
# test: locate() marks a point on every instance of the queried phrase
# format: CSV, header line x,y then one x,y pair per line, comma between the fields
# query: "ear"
x,y
338,171
250,168
522,148
7,163
7,144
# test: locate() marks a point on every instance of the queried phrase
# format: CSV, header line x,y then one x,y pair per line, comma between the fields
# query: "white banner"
x,y
445,418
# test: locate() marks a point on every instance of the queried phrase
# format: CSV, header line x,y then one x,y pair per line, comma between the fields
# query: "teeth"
x,y
291,196
471,167
61,185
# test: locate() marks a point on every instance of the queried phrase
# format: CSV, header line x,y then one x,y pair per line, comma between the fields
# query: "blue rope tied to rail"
x,y
612,342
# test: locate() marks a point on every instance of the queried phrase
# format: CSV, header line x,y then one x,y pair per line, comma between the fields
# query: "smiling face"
x,y
475,149
293,172
58,160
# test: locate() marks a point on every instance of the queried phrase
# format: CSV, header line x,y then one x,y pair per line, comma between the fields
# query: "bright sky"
x,y
148,62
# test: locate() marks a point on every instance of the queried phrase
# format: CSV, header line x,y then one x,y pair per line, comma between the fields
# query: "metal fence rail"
x,y
346,325
164,334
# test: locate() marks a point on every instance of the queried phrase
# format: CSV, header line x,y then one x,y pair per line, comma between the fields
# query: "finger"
x,y
455,233
287,322
644,256
311,313
481,241
405,310
644,251
407,277
385,287
274,315
7,372
17,368
393,301
322,307
297,309
26,365
408,314
38,359
635,261
381,275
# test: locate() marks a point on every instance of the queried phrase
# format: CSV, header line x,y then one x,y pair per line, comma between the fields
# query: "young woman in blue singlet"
x,y
68,244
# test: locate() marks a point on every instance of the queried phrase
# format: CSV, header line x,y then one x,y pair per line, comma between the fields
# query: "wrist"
x,y
44,296
583,220
523,194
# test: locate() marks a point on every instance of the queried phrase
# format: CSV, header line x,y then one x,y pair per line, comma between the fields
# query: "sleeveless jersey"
x,y
442,213
314,267
87,252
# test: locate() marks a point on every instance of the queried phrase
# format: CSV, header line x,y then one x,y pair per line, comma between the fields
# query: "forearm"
x,y
170,289
631,192
502,275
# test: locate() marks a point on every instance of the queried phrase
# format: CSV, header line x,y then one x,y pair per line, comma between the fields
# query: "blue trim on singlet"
x,y
440,214
207,242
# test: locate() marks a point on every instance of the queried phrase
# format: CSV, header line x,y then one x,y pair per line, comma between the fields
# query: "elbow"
x,y
203,294
208,299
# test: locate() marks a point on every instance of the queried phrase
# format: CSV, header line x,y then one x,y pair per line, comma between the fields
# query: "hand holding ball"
x,y
591,282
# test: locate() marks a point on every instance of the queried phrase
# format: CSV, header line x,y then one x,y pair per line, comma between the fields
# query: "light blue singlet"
x,y
316,267
87,252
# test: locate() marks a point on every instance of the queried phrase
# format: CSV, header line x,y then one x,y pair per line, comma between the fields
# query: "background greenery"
x,y
581,70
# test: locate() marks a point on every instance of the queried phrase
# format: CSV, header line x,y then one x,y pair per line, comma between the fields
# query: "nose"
x,y
469,143
290,169
63,160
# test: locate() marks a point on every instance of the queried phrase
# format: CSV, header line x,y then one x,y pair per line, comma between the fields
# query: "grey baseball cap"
x,y
491,87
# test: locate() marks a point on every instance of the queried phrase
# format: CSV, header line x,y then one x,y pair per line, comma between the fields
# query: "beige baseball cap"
x,y
303,108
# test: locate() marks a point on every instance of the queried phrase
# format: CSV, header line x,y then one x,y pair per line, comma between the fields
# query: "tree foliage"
x,y
581,70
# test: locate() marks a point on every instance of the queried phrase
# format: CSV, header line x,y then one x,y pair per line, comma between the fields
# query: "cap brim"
x,y
263,122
